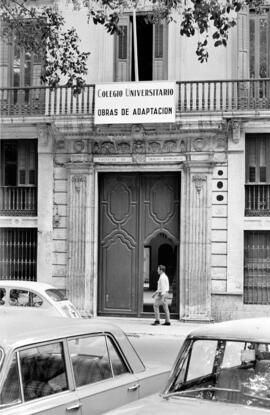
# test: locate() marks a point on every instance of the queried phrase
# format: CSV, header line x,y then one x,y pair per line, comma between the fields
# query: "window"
x,y
259,44
257,267
2,296
152,45
257,175
24,298
43,371
207,352
19,163
117,362
11,391
18,254
20,69
258,158
94,359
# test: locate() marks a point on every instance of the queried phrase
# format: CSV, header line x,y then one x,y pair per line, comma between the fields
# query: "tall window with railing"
x,y
18,178
21,71
259,53
257,188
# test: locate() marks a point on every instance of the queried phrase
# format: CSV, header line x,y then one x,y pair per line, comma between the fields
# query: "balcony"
x,y
215,96
18,201
257,199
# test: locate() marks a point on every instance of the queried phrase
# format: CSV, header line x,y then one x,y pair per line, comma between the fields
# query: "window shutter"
x,y
22,163
123,51
160,51
4,60
243,44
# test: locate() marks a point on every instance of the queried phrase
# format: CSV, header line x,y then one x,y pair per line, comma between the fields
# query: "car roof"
x,y
29,326
250,329
30,285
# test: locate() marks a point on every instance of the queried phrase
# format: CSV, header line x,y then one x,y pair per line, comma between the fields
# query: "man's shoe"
x,y
156,323
167,323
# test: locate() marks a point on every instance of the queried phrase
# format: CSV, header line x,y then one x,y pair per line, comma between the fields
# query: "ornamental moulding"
x,y
78,181
199,181
139,146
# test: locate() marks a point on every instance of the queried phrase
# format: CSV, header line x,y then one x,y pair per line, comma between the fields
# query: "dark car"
x,y
221,369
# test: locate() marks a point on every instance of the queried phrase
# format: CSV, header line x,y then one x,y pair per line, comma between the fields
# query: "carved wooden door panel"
x,y
118,253
137,210
160,228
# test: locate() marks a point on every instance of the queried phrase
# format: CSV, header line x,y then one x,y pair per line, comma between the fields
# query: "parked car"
x,y
37,295
222,369
56,366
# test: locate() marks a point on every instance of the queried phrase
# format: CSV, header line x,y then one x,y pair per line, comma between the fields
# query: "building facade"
x,y
94,208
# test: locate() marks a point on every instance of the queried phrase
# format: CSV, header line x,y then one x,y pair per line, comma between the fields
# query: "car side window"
x,y
43,371
90,359
204,352
11,391
117,361
25,298
2,296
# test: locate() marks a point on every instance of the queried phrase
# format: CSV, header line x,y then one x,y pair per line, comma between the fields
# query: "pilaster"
x,y
45,203
195,288
81,202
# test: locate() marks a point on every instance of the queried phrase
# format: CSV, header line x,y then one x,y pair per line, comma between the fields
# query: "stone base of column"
x,y
197,319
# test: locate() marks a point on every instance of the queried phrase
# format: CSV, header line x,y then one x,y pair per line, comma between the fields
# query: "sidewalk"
x,y
142,326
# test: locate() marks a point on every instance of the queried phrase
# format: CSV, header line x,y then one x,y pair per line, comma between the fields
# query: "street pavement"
x,y
156,345
142,326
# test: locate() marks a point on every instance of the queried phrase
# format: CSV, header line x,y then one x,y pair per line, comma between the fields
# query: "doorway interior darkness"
x,y
139,226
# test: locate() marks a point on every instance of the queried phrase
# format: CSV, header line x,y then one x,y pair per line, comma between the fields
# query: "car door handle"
x,y
134,387
73,407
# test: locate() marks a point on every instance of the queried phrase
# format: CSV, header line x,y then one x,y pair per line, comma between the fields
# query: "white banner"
x,y
135,102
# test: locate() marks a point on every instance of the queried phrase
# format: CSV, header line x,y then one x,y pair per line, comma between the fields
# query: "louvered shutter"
x,y
243,44
123,51
4,65
160,51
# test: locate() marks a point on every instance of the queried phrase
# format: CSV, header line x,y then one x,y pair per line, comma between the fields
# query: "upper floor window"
x,y
259,44
152,45
22,70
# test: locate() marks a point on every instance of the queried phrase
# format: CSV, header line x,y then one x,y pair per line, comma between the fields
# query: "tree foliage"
x,y
42,30
208,18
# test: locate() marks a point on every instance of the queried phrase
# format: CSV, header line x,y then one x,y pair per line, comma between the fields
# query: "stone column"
x,y
81,197
195,256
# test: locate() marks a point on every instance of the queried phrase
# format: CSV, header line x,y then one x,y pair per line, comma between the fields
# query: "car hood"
x,y
157,405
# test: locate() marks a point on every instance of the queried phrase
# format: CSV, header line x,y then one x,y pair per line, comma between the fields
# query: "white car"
x,y
60,366
36,295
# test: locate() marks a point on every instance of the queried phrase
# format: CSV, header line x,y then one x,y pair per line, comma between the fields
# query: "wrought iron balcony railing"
x,y
191,96
257,199
18,201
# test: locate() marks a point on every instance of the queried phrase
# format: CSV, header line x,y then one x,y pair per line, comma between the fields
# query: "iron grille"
x,y
257,267
18,254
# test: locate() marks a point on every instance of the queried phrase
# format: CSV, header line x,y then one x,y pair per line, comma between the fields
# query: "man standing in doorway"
x,y
161,297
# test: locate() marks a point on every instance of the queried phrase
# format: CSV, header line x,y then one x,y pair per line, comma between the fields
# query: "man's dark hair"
x,y
162,268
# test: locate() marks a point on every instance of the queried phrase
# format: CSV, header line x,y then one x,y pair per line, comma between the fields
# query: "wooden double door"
x,y
139,225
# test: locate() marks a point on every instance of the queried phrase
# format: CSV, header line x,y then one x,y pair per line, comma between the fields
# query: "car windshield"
x,y
56,294
226,371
